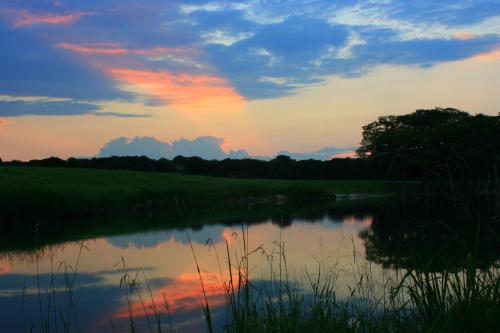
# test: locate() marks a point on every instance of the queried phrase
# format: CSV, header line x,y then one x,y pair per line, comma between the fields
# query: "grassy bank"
x,y
34,194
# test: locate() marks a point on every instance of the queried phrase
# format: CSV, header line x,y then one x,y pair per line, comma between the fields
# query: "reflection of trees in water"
x,y
431,236
52,238
353,210
30,256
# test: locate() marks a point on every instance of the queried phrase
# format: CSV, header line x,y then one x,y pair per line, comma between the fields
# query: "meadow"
x,y
38,193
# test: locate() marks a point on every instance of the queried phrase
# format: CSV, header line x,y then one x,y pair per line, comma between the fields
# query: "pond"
x,y
88,285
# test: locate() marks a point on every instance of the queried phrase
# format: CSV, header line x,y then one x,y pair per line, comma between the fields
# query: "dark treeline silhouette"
x,y
281,167
19,236
432,235
450,151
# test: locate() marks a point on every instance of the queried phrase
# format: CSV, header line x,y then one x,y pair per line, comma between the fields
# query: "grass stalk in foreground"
x,y
418,301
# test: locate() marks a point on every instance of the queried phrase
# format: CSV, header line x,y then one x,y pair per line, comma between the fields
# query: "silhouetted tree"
x,y
442,146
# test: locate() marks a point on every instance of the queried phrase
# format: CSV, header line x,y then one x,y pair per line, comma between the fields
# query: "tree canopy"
x,y
440,144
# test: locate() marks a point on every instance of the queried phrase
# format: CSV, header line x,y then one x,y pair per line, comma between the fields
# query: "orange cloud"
x,y
24,17
463,35
2,122
495,54
182,91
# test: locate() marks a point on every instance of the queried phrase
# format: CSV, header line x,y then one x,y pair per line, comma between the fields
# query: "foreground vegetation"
x,y
53,193
466,300
413,300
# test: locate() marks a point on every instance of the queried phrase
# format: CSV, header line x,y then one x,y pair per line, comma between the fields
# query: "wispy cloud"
x,y
94,48
120,114
32,99
117,49
254,49
224,37
20,106
464,35
32,66
25,17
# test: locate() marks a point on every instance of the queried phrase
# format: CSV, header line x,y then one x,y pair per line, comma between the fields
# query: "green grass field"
x,y
40,193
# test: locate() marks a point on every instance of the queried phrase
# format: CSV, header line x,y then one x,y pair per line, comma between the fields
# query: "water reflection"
x,y
153,239
168,263
345,241
416,235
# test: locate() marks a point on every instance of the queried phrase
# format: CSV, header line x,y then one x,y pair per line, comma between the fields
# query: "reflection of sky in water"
x,y
152,239
216,232
167,261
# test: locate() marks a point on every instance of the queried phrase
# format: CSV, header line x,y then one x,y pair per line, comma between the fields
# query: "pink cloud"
x,y
495,54
94,48
116,49
182,91
24,17
345,154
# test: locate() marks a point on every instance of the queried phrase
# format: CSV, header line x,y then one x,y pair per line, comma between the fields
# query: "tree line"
x,y
281,167
444,148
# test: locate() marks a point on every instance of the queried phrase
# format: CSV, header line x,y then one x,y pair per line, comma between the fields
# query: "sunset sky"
x,y
262,75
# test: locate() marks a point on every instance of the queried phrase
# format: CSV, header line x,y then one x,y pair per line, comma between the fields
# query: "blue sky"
x,y
75,58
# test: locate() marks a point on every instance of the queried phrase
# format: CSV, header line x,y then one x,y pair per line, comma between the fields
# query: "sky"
x,y
259,76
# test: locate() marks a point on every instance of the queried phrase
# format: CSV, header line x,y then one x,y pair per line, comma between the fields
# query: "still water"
x,y
39,288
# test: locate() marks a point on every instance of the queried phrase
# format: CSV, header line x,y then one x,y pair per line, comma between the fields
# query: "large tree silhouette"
x,y
443,147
